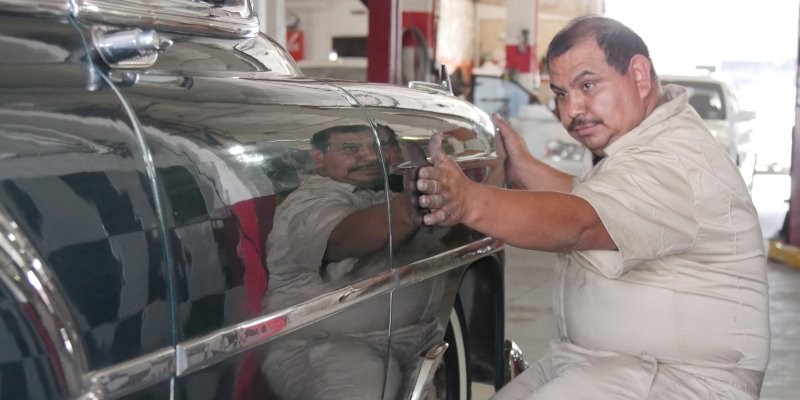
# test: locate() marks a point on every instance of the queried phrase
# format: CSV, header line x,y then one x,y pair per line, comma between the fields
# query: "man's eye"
x,y
561,95
588,85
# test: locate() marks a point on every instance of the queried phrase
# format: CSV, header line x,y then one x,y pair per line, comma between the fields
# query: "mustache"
x,y
372,165
580,122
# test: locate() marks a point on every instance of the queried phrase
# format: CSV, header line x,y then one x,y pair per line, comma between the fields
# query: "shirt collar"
x,y
672,101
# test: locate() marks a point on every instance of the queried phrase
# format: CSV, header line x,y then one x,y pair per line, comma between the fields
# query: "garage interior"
x,y
396,41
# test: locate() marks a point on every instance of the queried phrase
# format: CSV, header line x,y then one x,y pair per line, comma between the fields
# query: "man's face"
x,y
353,158
597,104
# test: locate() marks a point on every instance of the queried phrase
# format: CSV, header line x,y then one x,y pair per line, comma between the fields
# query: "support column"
x,y
383,40
521,24
794,171
456,36
272,18
418,40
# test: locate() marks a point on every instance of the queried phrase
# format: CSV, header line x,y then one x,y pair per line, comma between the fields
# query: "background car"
x,y
543,132
146,156
714,97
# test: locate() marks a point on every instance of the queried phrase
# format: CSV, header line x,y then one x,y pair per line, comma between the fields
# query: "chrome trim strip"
x,y
30,279
515,363
464,161
420,270
427,369
60,8
445,87
474,158
182,16
32,283
202,352
130,376
215,347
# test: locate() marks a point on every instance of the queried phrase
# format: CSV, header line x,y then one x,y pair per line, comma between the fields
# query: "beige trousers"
x,y
573,373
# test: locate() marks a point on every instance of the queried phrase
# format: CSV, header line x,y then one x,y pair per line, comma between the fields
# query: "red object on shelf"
x,y
521,58
294,44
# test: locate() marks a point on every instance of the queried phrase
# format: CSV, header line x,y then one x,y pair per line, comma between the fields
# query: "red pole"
x,y
383,51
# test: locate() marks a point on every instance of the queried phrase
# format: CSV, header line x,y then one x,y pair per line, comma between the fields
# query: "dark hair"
x,y
618,42
322,139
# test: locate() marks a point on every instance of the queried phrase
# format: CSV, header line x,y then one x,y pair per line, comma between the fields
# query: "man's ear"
x,y
319,158
640,68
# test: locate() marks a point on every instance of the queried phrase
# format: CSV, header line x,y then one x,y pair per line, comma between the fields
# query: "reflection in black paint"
x,y
11,194
184,195
114,207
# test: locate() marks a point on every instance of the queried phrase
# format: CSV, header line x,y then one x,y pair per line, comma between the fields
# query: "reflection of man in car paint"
x,y
330,232
661,288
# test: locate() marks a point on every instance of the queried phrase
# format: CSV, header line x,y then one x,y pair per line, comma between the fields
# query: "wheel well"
x,y
483,302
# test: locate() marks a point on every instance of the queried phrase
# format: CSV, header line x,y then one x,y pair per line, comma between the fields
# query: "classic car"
x,y
178,218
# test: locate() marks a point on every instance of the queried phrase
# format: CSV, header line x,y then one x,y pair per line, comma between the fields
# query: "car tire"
x,y
452,380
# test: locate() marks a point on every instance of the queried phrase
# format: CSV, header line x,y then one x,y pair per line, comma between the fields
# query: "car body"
x,y
146,148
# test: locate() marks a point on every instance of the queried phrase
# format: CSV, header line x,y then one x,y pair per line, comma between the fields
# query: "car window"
x,y
705,97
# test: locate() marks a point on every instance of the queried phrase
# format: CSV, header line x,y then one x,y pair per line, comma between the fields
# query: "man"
x,y
661,285
330,232
347,203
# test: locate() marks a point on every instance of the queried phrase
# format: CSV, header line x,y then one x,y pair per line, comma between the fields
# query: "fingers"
x,y
505,128
507,133
435,149
431,201
429,173
499,143
439,216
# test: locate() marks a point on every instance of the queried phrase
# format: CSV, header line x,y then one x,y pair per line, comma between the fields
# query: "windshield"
x,y
705,97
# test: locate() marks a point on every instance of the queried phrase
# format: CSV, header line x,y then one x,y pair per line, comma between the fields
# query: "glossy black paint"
x,y
73,177
227,125
227,152
26,370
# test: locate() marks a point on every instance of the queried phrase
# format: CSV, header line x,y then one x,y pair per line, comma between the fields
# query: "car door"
x,y
85,287
247,159
450,285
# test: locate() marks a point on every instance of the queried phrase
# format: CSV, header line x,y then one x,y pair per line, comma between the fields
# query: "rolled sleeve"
x,y
646,203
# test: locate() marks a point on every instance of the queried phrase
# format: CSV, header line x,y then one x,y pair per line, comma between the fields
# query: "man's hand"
x,y
512,148
521,167
444,188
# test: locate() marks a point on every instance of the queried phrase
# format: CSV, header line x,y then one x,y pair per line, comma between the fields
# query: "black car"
x,y
184,215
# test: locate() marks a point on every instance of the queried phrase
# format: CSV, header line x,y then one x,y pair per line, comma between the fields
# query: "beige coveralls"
x,y
680,311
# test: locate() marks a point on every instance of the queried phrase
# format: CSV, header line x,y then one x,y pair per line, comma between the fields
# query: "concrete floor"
x,y
531,324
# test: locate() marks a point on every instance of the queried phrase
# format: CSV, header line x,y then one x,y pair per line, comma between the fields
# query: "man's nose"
x,y
369,153
573,105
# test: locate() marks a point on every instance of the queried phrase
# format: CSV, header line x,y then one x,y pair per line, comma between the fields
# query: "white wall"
x,y
272,18
693,32
321,20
